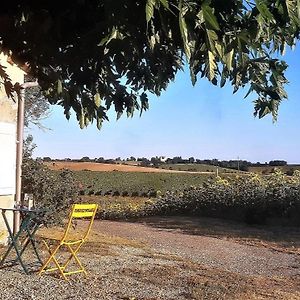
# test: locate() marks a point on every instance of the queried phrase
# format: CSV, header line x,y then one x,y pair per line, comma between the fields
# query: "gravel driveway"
x,y
209,251
149,261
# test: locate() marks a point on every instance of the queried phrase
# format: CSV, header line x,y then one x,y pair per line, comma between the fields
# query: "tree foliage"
x,y
92,55
51,190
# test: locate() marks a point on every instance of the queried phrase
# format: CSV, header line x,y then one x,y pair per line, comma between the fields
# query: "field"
x,y
134,167
135,183
269,169
196,168
92,166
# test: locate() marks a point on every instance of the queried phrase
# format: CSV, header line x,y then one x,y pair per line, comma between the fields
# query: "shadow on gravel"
x,y
286,237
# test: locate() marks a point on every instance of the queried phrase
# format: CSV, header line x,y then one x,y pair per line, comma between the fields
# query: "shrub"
x,y
252,199
124,193
135,194
53,192
152,194
115,193
143,194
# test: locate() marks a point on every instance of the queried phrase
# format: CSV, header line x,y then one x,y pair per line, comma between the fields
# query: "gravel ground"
x,y
134,261
212,252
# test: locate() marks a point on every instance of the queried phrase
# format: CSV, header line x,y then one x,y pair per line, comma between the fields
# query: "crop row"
x,y
252,199
134,184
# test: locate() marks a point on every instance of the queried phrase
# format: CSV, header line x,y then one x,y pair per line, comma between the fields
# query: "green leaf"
x,y
86,121
290,5
82,120
209,17
144,102
99,122
59,87
223,77
249,91
293,10
264,10
97,100
212,39
220,49
212,66
193,75
165,3
184,31
115,34
228,59
119,114
150,9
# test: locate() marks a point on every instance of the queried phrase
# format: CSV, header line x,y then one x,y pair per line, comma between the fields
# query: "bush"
x,y
143,194
135,194
152,194
54,191
124,194
252,199
115,193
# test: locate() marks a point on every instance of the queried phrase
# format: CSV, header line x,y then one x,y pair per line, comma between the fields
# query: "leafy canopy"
x,y
91,55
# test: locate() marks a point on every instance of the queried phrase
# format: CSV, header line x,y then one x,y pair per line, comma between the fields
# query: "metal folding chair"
x,y
79,211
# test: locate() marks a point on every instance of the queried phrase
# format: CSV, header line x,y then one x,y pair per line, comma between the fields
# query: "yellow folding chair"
x,y
79,211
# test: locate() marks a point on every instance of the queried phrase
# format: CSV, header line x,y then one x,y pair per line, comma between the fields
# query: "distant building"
x,y
162,159
8,130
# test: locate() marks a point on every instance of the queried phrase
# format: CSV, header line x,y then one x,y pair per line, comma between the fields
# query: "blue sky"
x,y
202,121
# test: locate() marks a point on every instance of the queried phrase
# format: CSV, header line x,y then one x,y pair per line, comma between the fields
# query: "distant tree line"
x,y
237,164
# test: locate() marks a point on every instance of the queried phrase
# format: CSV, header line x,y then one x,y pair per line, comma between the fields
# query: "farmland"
x,y
289,169
196,168
134,167
100,167
135,183
240,196
130,180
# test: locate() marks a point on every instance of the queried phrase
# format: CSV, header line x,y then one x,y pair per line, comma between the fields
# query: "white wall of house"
x,y
8,125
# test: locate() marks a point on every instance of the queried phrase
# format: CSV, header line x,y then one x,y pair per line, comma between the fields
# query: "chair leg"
x,y
71,256
62,268
52,257
74,254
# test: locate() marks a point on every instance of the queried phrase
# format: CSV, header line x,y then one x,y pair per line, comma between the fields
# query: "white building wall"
x,y
8,124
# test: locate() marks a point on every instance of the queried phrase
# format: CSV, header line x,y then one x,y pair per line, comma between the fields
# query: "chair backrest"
x,y
82,211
